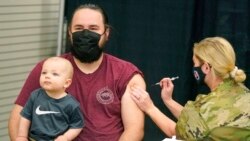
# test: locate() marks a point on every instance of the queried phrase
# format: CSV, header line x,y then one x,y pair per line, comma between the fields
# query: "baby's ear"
x,y
67,83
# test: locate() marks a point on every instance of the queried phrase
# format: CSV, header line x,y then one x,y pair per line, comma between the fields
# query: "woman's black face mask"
x,y
85,46
198,75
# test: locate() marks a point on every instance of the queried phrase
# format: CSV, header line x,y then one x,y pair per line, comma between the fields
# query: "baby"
x,y
51,113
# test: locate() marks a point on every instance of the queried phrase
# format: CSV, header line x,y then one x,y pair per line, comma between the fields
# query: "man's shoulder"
x,y
67,56
120,65
116,60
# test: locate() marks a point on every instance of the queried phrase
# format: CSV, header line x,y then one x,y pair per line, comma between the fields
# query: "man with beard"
x,y
101,83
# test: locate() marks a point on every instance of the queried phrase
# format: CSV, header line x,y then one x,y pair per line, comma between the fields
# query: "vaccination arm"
x,y
144,102
132,116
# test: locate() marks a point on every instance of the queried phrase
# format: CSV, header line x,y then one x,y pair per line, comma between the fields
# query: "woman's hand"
x,y
142,99
167,89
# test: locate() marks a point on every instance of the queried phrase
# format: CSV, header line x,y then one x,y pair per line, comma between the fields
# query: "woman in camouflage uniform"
x,y
223,114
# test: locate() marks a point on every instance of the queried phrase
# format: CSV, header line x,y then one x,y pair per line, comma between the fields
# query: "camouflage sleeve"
x,y
228,134
191,125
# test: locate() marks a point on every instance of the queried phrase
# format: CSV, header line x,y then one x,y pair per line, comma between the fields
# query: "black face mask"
x,y
85,46
198,75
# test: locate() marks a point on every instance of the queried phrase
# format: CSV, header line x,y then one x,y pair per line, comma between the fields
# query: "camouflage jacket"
x,y
223,114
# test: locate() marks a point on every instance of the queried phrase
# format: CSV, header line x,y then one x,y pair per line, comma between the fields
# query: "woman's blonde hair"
x,y
219,53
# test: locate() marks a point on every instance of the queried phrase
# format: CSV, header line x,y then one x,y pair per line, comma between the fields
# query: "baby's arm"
x,y
23,130
69,135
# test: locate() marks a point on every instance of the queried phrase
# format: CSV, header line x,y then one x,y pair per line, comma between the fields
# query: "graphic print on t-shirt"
x,y
39,112
105,96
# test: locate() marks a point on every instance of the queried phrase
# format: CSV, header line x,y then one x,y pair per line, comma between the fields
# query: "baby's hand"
x,y
21,138
61,138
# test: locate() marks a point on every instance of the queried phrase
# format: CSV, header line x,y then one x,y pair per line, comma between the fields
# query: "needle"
x,y
172,78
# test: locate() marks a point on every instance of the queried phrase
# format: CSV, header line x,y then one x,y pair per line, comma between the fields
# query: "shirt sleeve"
x,y
76,120
126,74
27,110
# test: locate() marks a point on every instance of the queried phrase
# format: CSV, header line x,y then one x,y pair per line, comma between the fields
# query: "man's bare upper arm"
x,y
131,114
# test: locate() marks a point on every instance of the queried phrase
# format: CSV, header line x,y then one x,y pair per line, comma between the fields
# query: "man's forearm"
x,y
14,120
132,135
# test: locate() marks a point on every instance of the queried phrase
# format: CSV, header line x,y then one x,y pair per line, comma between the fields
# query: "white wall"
x,y
28,33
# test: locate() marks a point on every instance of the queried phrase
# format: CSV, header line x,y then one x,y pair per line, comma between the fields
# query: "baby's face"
x,y
53,76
